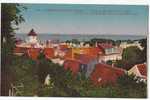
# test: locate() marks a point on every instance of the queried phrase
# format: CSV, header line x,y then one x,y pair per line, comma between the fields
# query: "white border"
x,y
126,2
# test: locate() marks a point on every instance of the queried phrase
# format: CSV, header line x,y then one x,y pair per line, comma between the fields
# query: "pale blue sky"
x,y
85,19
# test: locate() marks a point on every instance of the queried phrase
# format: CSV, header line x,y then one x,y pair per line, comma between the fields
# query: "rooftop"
x,y
32,33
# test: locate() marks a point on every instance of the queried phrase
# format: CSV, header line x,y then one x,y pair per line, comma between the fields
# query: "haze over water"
x,y
81,37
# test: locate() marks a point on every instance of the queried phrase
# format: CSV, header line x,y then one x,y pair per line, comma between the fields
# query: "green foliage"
x,y
143,43
93,41
109,62
126,87
132,54
75,41
62,83
118,42
10,17
130,57
25,78
61,78
129,86
42,68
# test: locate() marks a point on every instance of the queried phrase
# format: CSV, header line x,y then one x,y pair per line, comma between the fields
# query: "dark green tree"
x,y
131,87
109,62
75,41
130,57
10,18
25,72
143,43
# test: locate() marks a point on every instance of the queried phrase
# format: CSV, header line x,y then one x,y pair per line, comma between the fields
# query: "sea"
x,y
81,37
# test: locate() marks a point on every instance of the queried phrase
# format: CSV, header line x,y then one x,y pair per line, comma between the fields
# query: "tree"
x,y
43,67
143,43
131,87
94,40
25,76
109,62
75,41
130,57
62,80
10,17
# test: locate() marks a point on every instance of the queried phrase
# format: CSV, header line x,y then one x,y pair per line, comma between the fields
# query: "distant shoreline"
x,y
81,37
86,34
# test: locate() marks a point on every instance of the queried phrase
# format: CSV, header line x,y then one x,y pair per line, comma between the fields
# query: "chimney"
x,y
96,44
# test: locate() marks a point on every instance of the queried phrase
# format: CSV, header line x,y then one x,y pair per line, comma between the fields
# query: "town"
x,y
92,61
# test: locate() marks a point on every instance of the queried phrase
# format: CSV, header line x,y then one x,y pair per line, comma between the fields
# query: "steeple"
x,y
32,33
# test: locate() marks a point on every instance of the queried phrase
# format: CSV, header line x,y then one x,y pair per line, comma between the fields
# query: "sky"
x,y
85,19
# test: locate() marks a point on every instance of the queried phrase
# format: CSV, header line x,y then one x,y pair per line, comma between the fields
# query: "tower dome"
x,y
32,33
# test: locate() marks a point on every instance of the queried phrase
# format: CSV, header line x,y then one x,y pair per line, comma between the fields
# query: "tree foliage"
x,y
130,86
143,43
130,57
10,18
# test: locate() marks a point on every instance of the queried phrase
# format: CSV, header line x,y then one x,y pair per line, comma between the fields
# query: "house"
x,y
61,50
110,52
20,49
63,46
73,65
112,57
91,51
86,56
33,53
135,43
139,70
81,64
69,54
48,52
104,74
87,63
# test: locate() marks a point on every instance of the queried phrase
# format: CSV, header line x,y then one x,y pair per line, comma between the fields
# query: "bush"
x,y
129,87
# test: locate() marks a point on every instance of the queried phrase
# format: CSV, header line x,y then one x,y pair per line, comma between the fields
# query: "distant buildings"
x,y
136,43
110,52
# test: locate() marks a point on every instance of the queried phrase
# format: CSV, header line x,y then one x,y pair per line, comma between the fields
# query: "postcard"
x,y
74,50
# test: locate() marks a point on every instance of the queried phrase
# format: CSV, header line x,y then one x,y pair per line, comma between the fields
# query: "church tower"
x,y
32,37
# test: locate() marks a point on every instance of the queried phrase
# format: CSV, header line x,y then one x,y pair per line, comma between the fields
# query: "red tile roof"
x,y
83,58
32,33
104,74
33,53
142,69
63,47
105,45
95,51
20,49
49,52
68,54
72,65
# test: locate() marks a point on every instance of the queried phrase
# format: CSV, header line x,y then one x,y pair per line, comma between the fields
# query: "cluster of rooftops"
x,y
90,61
